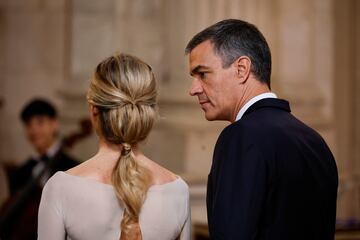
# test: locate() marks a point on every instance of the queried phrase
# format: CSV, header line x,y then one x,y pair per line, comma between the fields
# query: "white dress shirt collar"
x,y
51,151
252,101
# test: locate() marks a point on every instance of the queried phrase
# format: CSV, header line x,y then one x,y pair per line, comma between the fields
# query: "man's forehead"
x,y
203,56
202,50
37,118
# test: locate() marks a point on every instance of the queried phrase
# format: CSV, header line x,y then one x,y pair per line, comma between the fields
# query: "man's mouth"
x,y
203,103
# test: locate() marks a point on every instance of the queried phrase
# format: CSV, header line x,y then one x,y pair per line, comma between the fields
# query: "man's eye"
x,y
202,75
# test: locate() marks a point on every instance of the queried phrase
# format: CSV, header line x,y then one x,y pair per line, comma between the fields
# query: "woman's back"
x,y
75,207
118,191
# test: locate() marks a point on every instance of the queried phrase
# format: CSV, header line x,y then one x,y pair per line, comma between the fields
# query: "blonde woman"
x,y
119,193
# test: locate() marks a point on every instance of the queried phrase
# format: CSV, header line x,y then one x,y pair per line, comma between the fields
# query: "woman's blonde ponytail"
x,y
124,91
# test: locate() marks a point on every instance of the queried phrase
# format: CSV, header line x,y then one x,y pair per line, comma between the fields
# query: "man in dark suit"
x,y
42,129
26,181
272,177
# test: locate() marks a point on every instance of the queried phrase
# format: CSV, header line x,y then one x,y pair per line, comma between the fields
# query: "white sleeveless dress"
x,y
79,208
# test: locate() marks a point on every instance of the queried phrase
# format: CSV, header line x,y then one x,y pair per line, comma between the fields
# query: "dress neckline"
x,y
152,187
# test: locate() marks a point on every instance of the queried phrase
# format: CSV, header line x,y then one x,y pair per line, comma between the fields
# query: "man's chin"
x,y
210,117
214,117
40,147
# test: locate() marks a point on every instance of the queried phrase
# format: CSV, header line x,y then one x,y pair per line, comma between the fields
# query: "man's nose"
x,y
195,88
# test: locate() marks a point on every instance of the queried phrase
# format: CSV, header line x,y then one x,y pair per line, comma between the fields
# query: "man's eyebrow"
x,y
197,69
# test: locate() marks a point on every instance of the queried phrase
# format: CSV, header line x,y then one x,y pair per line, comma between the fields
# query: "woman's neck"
x,y
111,152
108,149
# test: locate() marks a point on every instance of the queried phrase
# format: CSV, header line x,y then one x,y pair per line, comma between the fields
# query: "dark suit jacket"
x,y
21,176
22,223
272,177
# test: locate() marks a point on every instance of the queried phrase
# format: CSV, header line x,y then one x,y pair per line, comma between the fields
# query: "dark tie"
x,y
44,158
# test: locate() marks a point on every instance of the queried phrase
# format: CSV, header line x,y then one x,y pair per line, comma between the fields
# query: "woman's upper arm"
x,y
186,229
50,217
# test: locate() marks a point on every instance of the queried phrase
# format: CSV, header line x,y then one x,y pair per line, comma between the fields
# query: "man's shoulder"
x,y
238,135
65,161
242,128
66,156
25,166
264,127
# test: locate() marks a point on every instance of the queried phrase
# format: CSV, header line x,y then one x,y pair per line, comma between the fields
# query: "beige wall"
x,y
51,47
347,104
32,44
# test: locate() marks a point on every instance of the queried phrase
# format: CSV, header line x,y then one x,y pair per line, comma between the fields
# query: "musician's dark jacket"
x,y
61,161
22,223
272,177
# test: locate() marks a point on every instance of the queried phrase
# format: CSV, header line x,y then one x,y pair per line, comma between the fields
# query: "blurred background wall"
x,y
49,48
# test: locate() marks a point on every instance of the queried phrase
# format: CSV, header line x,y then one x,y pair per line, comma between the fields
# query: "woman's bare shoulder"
x,y
79,170
160,174
89,169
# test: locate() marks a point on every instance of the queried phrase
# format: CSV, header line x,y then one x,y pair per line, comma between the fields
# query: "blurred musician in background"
x,y
18,218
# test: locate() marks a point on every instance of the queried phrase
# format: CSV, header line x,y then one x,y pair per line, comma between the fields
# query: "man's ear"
x,y
243,68
56,125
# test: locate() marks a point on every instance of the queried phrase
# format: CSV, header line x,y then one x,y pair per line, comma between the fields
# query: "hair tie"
x,y
126,149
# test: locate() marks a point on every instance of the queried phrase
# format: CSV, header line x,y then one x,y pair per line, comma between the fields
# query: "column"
x,y
31,64
89,39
